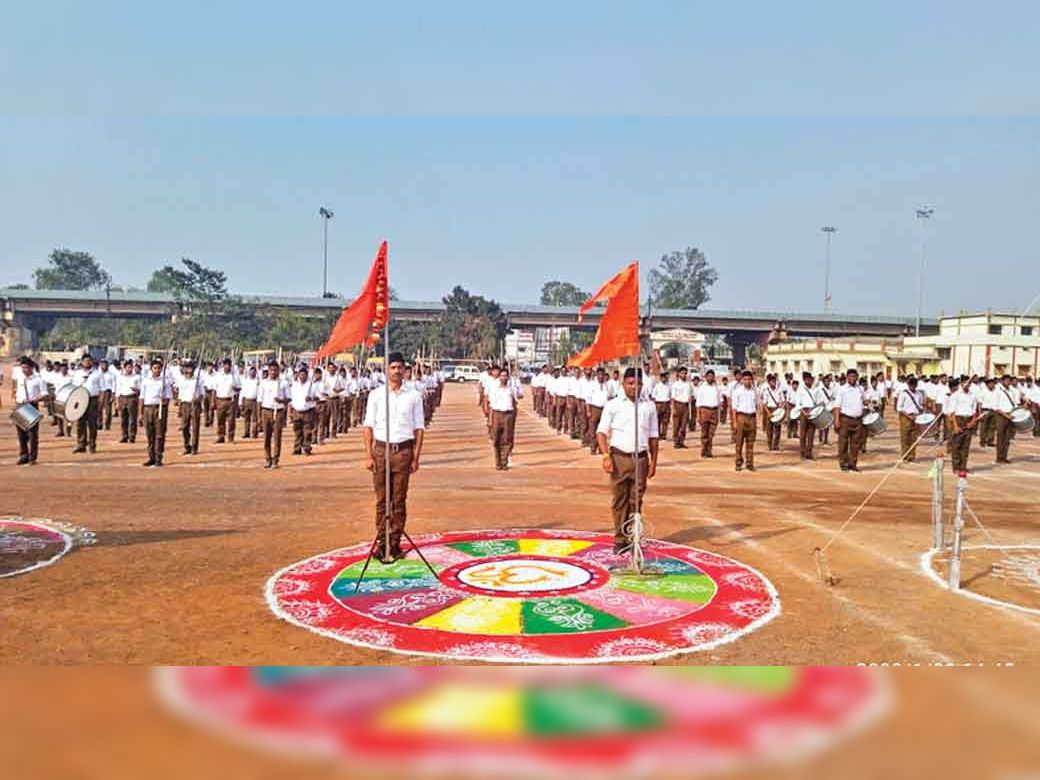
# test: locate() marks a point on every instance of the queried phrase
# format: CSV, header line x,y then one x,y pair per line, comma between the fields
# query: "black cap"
x,y
395,357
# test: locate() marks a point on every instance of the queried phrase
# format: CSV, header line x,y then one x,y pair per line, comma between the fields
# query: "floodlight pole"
x,y
828,231
923,214
325,215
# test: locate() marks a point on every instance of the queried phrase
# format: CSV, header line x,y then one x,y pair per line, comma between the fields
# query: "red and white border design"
x,y
744,601
929,571
43,528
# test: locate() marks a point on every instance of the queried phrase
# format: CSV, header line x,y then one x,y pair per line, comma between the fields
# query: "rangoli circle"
x,y
532,596
26,545
534,722
1008,575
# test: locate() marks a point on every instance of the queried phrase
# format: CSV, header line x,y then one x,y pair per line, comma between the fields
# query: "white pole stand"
x,y
958,529
938,501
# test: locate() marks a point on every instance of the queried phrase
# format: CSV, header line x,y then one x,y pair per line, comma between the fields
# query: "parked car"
x,y
465,374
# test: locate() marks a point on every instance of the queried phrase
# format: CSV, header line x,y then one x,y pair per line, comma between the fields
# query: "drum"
x,y
1023,420
796,414
821,418
71,402
924,419
777,416
874,423
26,416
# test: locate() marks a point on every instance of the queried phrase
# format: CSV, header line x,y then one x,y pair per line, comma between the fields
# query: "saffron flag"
x,y
366,316
618,332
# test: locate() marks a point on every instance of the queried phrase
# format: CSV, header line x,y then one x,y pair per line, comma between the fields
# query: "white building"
x,y
988,344
520,347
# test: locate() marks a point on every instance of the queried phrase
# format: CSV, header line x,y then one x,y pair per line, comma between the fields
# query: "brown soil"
x,y
183,552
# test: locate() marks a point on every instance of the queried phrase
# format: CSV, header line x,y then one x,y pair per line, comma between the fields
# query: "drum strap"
x,y
770,391
919,410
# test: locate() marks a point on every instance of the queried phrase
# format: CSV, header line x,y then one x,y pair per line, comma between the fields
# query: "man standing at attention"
x,y
744,400
87,426
617,440
272,398
850,406
404,438
709,399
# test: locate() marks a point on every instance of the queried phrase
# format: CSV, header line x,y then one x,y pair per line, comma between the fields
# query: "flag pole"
x,y
637,520
386,449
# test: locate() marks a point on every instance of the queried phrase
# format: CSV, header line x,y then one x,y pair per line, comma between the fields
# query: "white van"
x,y
465,374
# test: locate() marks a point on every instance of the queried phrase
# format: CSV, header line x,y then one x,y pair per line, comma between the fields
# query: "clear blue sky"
x,y
497,145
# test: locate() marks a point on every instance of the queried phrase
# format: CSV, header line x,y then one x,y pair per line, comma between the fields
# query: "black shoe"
x,y
274,463
307,451
740,468
854,468
750,468
219,441
133,440
844,468
297,452
123,441
79,450
158,463
23,461
268,464
93,449
148,463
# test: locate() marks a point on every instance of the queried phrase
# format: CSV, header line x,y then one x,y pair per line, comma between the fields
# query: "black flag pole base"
x,y
375,546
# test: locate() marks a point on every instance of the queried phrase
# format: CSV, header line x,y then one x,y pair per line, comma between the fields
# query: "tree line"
x,y
472,326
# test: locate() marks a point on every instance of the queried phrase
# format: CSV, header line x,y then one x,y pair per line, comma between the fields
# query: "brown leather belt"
x,y
623,454
404,445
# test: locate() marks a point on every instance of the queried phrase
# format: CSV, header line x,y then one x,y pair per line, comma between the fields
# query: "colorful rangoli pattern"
x,y
612,722
537,596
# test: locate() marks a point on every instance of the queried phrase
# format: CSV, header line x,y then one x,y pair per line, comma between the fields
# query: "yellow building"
x,y
829,356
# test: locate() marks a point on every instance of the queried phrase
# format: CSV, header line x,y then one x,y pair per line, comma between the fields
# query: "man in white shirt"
x,y
208,375
501,402
87,426
827,395
987,422
744,420
108,391
681,393
772,398
962,412
599,396
793,409
398,413
1004,404
348,393
28,387
709,399
225,386
807,399
333,388
248,391
661,395
303,410
629,457
539,385
128,390
850,406
1032,396
190,392
556,401
155,395
272,398
910,402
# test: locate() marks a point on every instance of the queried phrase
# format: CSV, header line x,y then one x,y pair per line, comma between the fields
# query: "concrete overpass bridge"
x,y
25,313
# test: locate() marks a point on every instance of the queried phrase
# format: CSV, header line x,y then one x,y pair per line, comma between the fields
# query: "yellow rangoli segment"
x,y
551,547
478,615
460,709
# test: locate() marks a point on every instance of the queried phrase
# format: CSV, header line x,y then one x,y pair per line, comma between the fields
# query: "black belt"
x,y
402,445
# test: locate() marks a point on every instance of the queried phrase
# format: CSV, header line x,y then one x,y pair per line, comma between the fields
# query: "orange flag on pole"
x,y
618,332
366,316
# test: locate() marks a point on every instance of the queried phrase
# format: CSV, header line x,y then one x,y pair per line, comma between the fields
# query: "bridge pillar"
x,y
739,343
16,337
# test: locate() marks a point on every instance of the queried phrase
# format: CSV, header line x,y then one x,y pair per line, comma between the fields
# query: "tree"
x,y
556,293
197,283
472,327
71,270
682,280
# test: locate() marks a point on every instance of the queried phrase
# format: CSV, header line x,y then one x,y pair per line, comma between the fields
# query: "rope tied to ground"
x,y
820,552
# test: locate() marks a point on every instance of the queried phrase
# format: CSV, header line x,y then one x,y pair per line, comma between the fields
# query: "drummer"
x,y
772,399
1003,405
28,388
909,404
87,426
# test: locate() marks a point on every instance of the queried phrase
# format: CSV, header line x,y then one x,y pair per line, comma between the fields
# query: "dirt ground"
x,y
183,553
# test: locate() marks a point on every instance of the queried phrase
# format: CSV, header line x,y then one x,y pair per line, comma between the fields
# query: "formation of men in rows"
x,y
319,403
572,401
